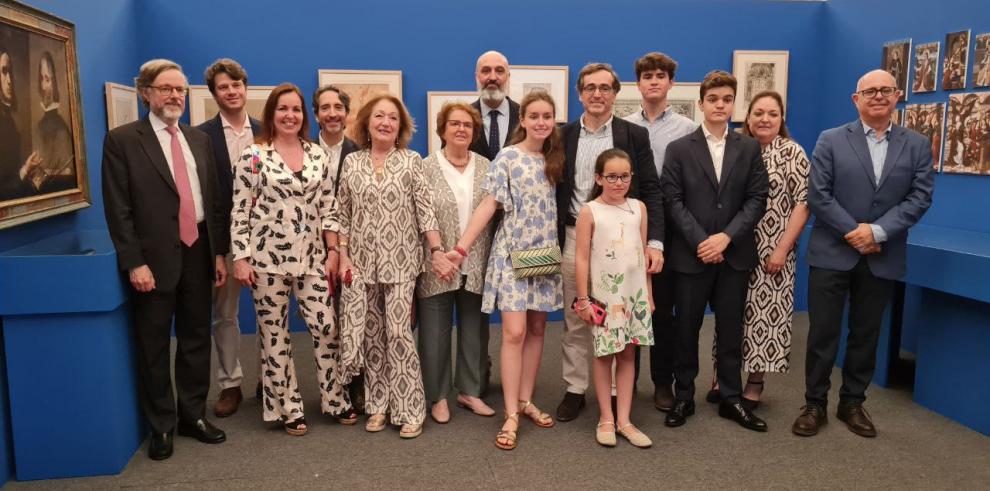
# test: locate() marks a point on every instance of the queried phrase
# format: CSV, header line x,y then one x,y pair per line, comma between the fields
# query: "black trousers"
x,y
662,351
724,288
190,306
828,291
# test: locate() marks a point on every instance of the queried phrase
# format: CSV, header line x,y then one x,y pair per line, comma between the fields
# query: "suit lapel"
x,y
199,156
895,144
571,145
857,140
729,158
153,149
703,156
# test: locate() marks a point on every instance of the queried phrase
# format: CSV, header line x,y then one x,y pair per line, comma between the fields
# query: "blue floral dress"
x,y
530,221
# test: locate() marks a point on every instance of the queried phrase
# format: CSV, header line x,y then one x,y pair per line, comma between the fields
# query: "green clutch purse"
x,y
541,261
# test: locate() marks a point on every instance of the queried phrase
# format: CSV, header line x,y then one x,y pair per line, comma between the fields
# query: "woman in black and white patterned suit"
x,y
280,225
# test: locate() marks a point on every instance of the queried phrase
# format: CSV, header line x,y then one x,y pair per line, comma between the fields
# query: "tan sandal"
x,y
410,431
375,423
509,437
605,438
540,418
635,437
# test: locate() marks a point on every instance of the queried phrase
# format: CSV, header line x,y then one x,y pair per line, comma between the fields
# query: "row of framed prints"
x,y
960,134
923,74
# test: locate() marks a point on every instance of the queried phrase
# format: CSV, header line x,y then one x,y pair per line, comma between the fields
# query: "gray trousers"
x,y
436,315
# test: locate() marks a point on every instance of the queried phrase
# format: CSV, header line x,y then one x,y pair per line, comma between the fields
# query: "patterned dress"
x,y
770,298
530,221
618,277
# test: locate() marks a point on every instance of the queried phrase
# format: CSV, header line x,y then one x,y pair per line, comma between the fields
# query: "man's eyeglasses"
x,y
166,90
614,178
872,92
591,88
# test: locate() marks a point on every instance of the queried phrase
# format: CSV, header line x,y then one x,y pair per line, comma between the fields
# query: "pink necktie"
x,y
188,233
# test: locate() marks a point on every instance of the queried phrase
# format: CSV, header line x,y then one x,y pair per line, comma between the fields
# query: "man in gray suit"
x,y
870,182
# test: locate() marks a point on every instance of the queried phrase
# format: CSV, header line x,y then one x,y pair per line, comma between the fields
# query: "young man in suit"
x,y
166,223
499,114
870,182
230,132
715,186
593,133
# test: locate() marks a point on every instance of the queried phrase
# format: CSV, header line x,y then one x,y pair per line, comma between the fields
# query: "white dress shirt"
x,y
716,147
237,138
165,140
333,153
461,185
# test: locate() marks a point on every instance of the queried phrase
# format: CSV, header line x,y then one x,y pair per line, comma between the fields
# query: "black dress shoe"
x,y
570,407
738,413
857,419
663,398
678,414
713,396
203,431
160,447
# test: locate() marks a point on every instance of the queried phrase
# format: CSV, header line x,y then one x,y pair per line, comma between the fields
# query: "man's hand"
x,y
861,238
710,250
221,276
142,279
654,260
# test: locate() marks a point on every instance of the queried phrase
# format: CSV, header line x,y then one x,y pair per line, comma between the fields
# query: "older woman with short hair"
x,y
454,176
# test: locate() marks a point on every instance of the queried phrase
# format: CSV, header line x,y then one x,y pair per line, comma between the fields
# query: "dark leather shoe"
x,y
713,396
811,419
738,413
230,399
663,398
160,447
678,414
857,419
203,431
570,407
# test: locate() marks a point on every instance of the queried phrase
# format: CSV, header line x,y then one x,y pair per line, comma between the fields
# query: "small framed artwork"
x,y
967,150
524,79
981,60
897,117
755,72
43,169
925,67
895,61
361,85
956,60
434,101
122,104
929,120
202,105
684,97
628,100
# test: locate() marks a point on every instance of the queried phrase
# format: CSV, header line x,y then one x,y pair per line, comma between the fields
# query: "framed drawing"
x,y
42,154
202,106
628,100
361,85
553,79
925,67
895,61
122,104
929,120
897,117
981,61
684,97
967,140
755,72
956,60
435,101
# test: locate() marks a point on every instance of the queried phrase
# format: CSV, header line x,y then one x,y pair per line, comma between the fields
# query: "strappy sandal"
x,y
635,437
296,427
348,417
605,438
752,404
541,419
509,437
410,431
375,423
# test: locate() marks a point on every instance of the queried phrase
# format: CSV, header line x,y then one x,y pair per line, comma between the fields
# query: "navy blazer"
x,y
480,144
645,186
700,205
843,192
225,175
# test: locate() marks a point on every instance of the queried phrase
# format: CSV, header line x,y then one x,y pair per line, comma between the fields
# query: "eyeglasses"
x,y
591,88
166,90
460,124
872,92
614,178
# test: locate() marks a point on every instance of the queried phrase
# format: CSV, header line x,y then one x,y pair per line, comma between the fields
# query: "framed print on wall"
x,y
956,60
361,85
755,72
683,98
981,60
42,155
925,68
966,147
553,79
122,104
929,120
895,61
202,106
628,100
434,101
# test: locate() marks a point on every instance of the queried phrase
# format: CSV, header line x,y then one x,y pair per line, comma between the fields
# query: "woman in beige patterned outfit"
x,y
383,205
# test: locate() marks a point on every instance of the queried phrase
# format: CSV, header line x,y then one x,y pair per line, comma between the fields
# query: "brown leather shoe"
x,y
811,419
227,404
663,398
857,419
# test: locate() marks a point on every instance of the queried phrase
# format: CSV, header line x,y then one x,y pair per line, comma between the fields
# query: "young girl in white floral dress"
x,y
611,238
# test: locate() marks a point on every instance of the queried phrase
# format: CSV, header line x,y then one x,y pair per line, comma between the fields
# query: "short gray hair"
x,y
150,70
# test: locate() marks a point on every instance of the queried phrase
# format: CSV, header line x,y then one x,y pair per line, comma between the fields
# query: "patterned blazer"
x,y
278,220
384,219
445,209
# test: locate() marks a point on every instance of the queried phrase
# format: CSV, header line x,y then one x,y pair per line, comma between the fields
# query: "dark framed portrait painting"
x,y
42,155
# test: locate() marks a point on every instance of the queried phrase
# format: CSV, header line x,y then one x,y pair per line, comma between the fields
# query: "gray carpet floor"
x,y
916,448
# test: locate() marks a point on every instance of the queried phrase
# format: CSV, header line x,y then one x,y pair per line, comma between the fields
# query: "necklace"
x,y
453,162
628,209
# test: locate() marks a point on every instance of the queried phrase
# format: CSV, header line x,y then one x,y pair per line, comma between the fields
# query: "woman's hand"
x,y
455,258
774,263
345,270
584,311
442,266
243,272
330,267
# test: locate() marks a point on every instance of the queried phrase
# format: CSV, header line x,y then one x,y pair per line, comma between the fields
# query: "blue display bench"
x,y
69,353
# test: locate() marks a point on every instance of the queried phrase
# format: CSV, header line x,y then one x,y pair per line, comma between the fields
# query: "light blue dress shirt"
x,y
877,144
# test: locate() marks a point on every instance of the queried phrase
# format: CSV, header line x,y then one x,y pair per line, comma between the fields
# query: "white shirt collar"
x,y
324,144
606,126
502,108
50,107
709,136
867,128
156,123
226,124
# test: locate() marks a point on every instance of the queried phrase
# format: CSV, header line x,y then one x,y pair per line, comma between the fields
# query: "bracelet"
x,y
585,297
460,250
587,304
436,249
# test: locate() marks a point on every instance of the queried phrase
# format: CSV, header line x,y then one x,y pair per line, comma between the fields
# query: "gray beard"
x,y
492,97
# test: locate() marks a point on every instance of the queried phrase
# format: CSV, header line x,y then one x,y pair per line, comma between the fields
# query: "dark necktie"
x,y
493,138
